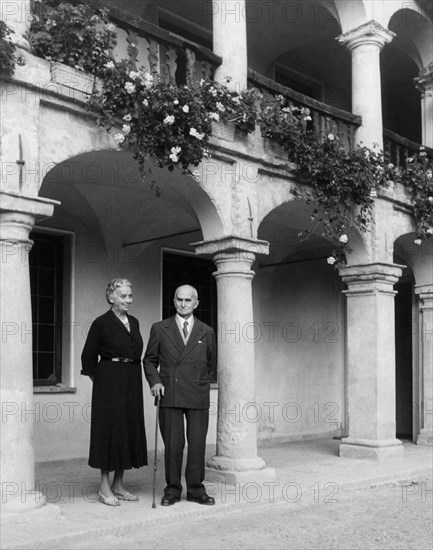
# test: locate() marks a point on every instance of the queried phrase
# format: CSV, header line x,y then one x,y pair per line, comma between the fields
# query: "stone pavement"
x,y
308,472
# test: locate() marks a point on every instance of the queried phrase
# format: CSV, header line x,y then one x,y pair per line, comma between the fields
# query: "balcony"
x,y
185,62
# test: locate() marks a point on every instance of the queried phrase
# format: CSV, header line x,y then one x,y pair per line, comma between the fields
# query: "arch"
x,y
101,185
419,258
282,227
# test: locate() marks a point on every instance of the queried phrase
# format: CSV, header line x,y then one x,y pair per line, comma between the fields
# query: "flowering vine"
x,y
164,122
8,54
342,181
417,178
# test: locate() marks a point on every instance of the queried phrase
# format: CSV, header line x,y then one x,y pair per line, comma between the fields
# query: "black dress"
x,y
117,432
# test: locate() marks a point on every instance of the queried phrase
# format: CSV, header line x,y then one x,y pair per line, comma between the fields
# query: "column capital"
x,y
425,292
233,256
424,82
366,273
370,33
231,245
18,214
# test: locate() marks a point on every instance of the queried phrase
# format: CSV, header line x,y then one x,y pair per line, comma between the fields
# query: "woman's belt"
x,y
121,360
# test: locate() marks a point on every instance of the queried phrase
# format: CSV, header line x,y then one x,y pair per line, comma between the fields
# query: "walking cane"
x,y
155,460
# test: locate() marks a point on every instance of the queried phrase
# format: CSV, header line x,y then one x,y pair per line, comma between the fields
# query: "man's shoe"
x,y
203,499
169,500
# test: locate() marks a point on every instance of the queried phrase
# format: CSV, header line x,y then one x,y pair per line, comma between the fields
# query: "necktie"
x,y
185,329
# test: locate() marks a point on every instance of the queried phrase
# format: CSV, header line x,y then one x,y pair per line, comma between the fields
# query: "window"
x,y
179,269
46,284
51,263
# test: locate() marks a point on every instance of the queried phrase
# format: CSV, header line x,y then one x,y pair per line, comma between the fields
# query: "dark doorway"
x,y
181,269
403,360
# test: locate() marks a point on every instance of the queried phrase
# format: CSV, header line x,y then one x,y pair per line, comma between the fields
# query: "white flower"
x,y
213,91
307,117
176,102
145,103
214,116
343,239
133,75
132,45
185,109
422,148
202,81
110,27
331,137
175,154
109,65
130,87
220,106
169,119
127,118
430,199
418,242
147,80
423,154
429,174
126,128
390,166
193,132
286,110
410,159
430,230
119,138
236,99
331,260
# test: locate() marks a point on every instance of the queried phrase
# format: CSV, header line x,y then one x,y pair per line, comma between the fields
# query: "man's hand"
x,y
157,390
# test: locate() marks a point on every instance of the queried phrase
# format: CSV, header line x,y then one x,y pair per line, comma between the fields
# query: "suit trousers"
x,y
171,421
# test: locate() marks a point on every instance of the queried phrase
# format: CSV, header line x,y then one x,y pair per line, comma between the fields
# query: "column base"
x,y
241,471
22,503
425,437
369,449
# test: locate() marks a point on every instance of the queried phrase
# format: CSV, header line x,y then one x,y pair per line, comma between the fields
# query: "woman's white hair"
x,y
112,285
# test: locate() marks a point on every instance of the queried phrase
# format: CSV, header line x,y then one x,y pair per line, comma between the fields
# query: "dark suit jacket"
x,y
108,337
185,370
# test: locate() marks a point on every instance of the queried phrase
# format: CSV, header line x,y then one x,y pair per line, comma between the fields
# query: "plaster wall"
x,y
299,351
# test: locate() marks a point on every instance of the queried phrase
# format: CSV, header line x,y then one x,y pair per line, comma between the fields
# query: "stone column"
x,y
17,217
425,84
365,43
371,362
236,459
230,41
425,293
16,14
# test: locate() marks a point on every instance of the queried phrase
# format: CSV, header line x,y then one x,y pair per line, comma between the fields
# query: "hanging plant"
x,y
343,181
74,34
8,54
417,177
163,122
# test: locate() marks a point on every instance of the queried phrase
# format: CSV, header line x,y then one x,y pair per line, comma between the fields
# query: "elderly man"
x,y
184,349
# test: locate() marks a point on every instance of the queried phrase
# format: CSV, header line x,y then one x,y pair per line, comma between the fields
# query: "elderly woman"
x,y
112,359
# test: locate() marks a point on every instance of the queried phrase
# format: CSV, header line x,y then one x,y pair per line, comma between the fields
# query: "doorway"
x,y
404,360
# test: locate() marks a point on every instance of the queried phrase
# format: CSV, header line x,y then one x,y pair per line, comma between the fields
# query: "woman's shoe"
x,y
109,501
127,497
